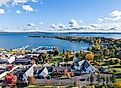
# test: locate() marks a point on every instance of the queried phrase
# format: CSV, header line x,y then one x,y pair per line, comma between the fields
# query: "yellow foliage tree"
x,y
118,85
67,55
90,56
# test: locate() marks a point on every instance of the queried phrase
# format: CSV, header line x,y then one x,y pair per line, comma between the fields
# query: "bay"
x,y
16,40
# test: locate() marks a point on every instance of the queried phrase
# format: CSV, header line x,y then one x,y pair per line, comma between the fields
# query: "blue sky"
x,y
13,13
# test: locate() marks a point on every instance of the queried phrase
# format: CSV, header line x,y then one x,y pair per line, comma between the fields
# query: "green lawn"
x,y
117,69
59,59
118,79
56,59
106,66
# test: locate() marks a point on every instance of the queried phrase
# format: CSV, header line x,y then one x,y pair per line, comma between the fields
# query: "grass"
x,y
106,66
118,79
117,69
56,59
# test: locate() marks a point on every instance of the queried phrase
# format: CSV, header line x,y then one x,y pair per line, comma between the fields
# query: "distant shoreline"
x,y
90,40
62,32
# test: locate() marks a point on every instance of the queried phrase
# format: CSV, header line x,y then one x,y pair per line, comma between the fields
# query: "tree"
x,y
118,85
42,57
119,56
112,62
82,54
98,57
31,80
95,47
89,56
105,52
77,55
67,55
117,61
98,41
56,52
63,51
91,79
112,78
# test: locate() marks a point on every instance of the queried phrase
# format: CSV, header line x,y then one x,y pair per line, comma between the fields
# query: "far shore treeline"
x,y
90,40
101,47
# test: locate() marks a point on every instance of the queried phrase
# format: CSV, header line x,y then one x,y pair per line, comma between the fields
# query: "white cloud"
x,y
20,3
107,18
18,12
34,0
58,27
116,13
4,1
27,8
2,11
114,16
16,2
73,23
31,24
100,20
53,26
61,26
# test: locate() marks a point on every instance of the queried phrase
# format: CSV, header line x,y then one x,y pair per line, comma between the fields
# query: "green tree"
x,y
95,47
77,55
106,52
112,62
117,61
42,57
56,52
119,56
112,53
98,57
82,54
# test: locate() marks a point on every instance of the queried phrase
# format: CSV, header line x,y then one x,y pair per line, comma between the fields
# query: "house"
x,y
41,73
84,67
22,61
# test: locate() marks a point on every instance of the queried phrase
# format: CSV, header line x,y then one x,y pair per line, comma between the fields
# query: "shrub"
x,y
117,61
31,80
112,62
118,85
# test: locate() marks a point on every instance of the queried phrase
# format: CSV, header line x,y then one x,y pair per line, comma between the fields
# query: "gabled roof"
x,y
30,71
85,67
42,72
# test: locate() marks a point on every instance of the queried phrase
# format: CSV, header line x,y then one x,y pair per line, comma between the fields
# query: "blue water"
x,y
16,40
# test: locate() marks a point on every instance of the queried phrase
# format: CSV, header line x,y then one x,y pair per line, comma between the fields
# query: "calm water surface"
x,y
15,40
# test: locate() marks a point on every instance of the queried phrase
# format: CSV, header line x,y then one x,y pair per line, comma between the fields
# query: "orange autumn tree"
x,y
118,85
89,56
67,55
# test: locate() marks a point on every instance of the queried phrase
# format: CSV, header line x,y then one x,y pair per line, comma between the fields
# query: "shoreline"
x,y
63,32
88,39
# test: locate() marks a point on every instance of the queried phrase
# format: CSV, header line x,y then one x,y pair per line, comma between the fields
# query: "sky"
x,y
59,14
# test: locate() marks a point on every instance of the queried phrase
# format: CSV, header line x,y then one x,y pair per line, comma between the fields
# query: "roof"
x,y
42,72
85,67
46,65
62,63
70,62
22,60
30,71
